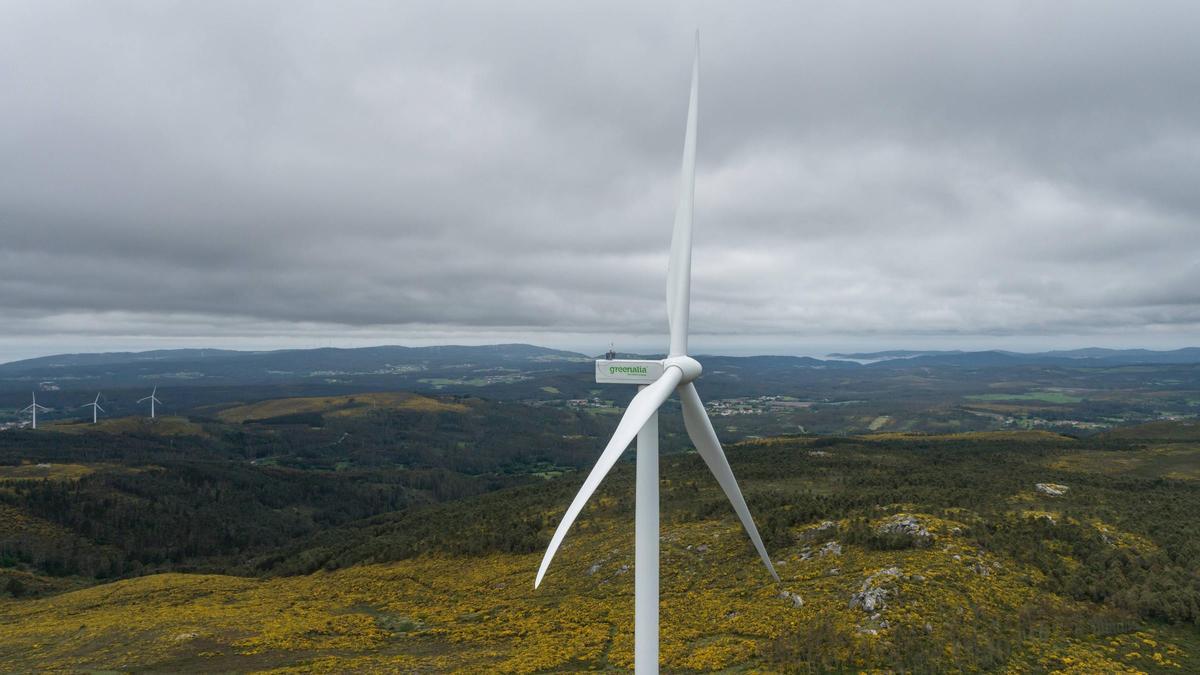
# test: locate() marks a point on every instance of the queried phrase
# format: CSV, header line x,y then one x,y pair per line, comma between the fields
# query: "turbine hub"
x,y
690,367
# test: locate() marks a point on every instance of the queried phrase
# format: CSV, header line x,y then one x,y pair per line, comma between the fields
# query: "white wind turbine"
x,y
658,379
153,399
95,406
33,408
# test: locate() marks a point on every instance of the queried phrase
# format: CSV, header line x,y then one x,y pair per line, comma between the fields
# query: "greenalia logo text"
x,y
627,370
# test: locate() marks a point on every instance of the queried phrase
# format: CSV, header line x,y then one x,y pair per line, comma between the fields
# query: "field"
x,y
1043,396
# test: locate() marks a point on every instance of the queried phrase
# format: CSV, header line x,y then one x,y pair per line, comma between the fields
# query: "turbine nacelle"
x,y
645,371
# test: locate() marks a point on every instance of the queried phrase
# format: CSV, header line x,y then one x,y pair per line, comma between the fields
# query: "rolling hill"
x,y
896,552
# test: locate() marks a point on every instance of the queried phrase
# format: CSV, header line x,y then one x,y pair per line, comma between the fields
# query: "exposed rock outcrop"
x,y
875,591
904,524
830,548
1051,489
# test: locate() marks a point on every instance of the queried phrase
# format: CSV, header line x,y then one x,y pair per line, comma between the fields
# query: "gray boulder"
x,y
793,598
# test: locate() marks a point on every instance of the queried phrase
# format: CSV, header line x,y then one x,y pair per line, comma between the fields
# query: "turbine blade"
x,y
143,399
700,430
640,409
679,268
101,409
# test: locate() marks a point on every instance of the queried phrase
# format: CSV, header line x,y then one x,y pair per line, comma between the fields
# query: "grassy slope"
x,y
44,471
441,613
167,425
337,405
1180,461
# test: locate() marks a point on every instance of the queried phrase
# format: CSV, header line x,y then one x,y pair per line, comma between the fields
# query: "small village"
x,y
757,405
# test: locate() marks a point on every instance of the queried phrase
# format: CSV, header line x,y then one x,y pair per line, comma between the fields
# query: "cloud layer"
x,y
210,171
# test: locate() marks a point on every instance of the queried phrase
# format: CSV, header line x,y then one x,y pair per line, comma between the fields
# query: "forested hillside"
x,y
212,494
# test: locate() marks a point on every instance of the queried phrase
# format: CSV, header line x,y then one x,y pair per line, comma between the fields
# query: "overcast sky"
x,y
871,175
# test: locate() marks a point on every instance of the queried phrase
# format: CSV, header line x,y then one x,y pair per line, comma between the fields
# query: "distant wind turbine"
x,y
153,399
95,406
33,409
658,379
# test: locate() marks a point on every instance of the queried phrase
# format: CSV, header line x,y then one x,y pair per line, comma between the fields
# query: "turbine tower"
x,y
33,409
153,399
95,406
656,380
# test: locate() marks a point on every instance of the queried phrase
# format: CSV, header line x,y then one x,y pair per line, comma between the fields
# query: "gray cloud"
x,y
370,171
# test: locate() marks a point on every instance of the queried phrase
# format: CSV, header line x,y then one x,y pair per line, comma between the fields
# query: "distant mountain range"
x,y
220,366
1092,356
451,366
294,359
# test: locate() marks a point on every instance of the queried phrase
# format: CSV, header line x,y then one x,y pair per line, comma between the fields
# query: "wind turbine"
x,y
33,408
657,379
95,406
153,399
